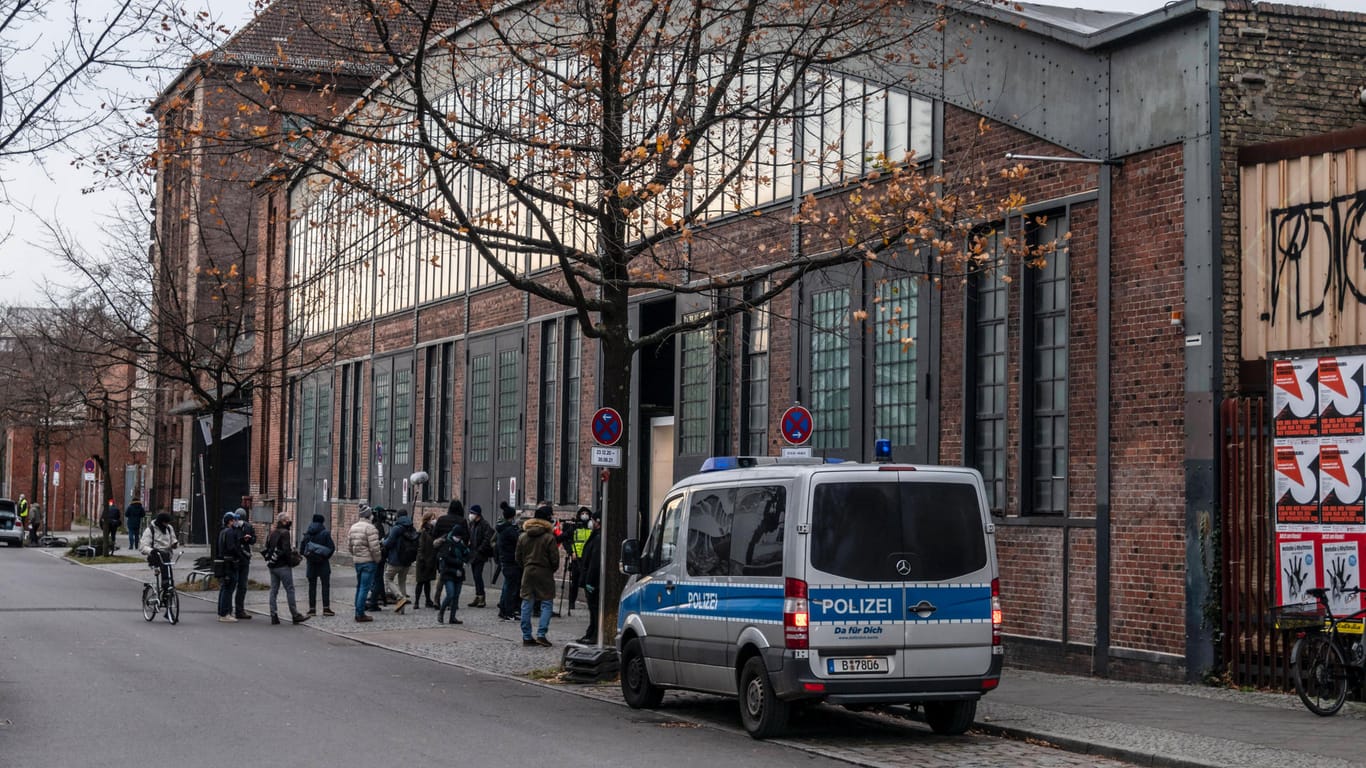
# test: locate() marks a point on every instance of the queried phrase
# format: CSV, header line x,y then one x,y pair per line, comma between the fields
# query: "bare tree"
x,y
588,151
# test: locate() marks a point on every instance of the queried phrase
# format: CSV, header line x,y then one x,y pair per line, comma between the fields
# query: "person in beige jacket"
x,y
365,547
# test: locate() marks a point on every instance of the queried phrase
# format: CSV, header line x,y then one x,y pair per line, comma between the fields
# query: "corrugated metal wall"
x,y
1304,278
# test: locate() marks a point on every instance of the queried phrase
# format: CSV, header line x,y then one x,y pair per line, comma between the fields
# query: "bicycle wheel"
x,y
1320,674
149,602
173,606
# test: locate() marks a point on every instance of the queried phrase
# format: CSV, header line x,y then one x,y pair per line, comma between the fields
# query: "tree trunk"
x,y
617,361
213,490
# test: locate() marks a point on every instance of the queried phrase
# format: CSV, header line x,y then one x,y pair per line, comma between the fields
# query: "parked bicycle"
x,y
163,595
1328,656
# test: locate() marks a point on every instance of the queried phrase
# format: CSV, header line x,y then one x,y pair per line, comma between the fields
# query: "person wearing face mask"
x,y
230,552
576,538
590,570
481,547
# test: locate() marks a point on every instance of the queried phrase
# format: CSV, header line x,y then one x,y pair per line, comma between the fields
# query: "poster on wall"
x,y
1342,381
1297,483
1295,398
1341,572
1319,474
1297,570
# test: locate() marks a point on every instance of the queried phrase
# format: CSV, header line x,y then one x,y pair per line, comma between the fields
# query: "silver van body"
x,y
850,583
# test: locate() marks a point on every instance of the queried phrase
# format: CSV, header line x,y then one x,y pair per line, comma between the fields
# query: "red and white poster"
x,y
1341,384
1295,398
1297,484
1319,471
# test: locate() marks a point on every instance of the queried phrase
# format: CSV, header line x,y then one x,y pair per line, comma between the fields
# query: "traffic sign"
x,y
56,466
796,425
605,456
607,426
89,466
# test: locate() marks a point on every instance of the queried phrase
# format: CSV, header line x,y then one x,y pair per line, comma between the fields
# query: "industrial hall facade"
x,y
1087,386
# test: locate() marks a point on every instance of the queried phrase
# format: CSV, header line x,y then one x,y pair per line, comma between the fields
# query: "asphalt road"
x,y
84,680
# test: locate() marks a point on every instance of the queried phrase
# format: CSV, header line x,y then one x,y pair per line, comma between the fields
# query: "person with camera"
x,y
481,547
318,547
281,560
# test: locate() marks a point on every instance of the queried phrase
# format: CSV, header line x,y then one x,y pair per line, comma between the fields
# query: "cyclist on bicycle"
x,y
158,541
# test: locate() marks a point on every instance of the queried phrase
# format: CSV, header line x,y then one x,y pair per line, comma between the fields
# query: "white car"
x,y
11,533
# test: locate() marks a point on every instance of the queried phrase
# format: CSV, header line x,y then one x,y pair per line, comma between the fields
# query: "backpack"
x,y
452,554
407,546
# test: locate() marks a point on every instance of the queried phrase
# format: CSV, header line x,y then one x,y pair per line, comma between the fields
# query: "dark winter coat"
x,y
318,532
445,523
230,545
481,540
590,568
400,529
505,543
133,515
539,556
283,543
426,554
111,518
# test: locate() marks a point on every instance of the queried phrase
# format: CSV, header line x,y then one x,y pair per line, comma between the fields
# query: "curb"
x,y
1078,746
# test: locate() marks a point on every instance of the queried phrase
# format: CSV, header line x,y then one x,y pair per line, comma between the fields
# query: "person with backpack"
x,y
452,553
539,556
400,548
280,558
318,547
505,543
481,545
426,560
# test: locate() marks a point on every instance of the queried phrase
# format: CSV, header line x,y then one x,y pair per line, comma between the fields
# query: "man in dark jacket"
x,y
481,546
539,556
230,552
396,570
318,567
109,524
590,570
246,534
455,516
505,543
132,519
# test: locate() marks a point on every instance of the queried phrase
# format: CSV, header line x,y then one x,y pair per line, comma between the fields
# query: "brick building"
x,y
1086,390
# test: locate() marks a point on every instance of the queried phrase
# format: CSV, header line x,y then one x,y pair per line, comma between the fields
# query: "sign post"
x,y
796,426
607,430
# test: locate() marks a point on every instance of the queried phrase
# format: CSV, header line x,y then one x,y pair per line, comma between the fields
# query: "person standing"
x,y
400,548
574,540
318,548
481,547
590,570
109,524
539,557
455,516
132,519
23,513
505,543
157,545
229,551
363,542
246,532
426,560
379,594
280,544
452,553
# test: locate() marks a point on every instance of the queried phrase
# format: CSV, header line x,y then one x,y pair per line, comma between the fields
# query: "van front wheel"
x,y
636,687
950,718
761,712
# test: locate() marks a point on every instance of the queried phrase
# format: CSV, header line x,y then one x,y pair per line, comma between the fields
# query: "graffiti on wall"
x,y
1317,256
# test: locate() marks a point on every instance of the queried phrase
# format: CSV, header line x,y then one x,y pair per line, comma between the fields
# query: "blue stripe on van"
x,y
885,602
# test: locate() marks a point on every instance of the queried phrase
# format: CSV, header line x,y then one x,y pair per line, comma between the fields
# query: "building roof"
x,y
1075,19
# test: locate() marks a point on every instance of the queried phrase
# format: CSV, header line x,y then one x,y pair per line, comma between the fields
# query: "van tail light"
x,y
996,615
796,615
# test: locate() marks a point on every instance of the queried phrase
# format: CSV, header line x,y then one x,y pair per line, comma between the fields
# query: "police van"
x,y
786,582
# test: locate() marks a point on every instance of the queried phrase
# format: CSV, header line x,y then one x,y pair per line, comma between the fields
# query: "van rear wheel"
x,y
950,718
636,687
762,713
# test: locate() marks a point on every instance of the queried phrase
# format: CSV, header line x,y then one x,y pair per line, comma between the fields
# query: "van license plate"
x,y
862,666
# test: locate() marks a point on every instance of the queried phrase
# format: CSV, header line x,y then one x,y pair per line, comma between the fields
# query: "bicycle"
x,y
1325,660
164,598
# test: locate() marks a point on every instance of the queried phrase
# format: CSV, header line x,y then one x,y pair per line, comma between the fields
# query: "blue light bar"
x,y
718,463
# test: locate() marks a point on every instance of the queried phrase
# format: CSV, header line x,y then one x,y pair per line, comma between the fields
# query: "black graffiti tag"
x,y
1341,223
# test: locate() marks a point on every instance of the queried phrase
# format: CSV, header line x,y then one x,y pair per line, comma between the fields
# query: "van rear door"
x,y
899,576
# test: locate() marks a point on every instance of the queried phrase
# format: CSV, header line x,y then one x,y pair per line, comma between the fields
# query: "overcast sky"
x,y
56,190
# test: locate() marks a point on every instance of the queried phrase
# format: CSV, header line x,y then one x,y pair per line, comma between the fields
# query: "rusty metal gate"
x,y
1254,652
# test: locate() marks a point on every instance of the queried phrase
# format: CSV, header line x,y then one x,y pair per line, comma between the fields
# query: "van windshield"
x,y
891,531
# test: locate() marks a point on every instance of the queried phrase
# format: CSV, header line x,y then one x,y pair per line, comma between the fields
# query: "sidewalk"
x,y
1160,725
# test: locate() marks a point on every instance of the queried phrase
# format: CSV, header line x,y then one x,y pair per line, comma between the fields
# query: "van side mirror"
x,y
630,557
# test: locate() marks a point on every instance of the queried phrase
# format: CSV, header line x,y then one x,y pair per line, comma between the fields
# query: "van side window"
x,y
760,512
659,549
709,532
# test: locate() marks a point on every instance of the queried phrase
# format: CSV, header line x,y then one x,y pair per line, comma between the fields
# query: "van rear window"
x,y
897,531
